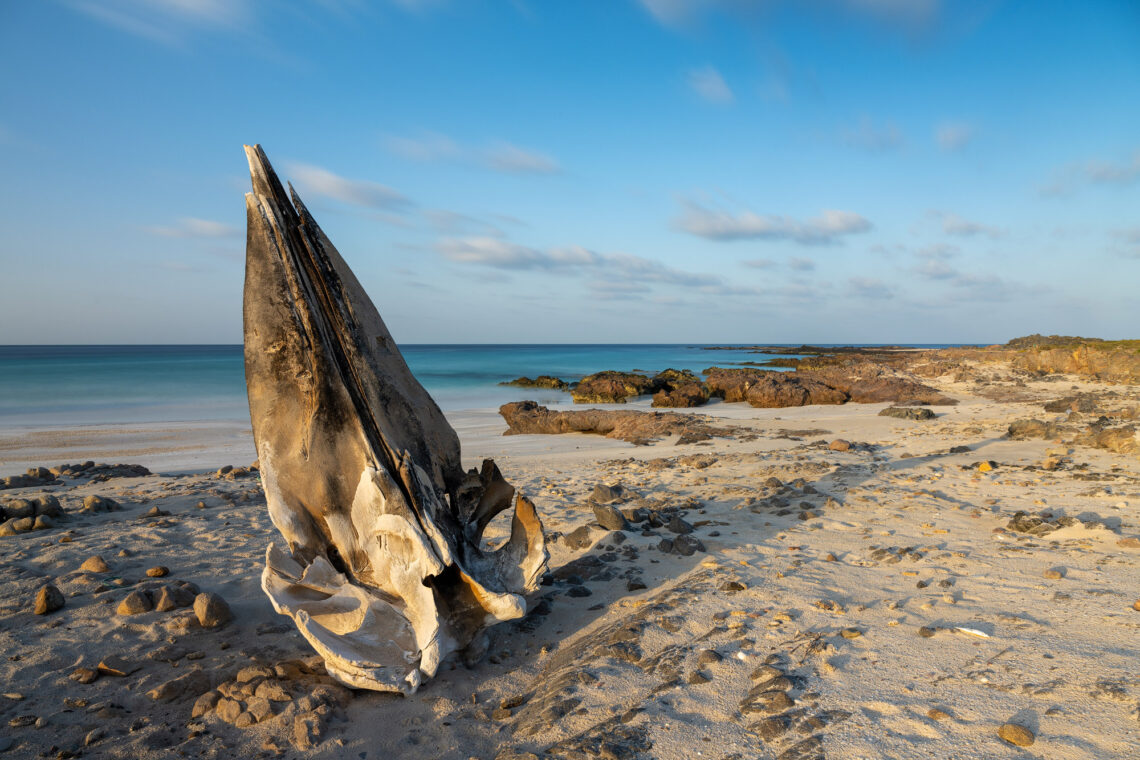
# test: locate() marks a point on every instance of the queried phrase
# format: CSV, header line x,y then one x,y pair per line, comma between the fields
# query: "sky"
x,y
602,171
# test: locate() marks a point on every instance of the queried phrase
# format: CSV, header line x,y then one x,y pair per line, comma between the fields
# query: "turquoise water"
x,y
71,385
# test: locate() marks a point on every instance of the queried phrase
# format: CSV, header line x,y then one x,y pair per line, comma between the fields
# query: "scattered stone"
x,y
48,600
697,677
84,675
136,603
677,525
604,494
709,656
158,571
43,522
173,596
95,503
579,538
935,714
212,610
308,728
926,632
228,710
731,587
610,518
194,682
1054,573
772,728
93,736
95,565
113,665
1015,734
917,413
850,633
205,703
839,445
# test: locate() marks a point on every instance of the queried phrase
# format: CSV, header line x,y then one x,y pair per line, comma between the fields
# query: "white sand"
x,y
1056,656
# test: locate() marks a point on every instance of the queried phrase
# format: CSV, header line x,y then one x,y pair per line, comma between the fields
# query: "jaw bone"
x,y
386,572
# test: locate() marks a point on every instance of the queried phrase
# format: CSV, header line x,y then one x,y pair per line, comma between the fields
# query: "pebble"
x,y
935,714
1015,734
136,603
95,565
84,675
212,610
1054,573
48,600
839,445
1136,605
158,571
850,633
926,632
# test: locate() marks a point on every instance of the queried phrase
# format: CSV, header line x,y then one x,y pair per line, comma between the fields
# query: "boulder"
x,y
611,387
48,600
542,381
682,396
212,610
781,389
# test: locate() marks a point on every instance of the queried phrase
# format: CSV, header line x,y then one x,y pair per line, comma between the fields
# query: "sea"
x,y
97,385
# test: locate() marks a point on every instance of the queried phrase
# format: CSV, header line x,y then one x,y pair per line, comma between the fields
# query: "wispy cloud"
x,y
1120,172
800,264
866,136
952,224
166,21
710,85
1127,242
506,157
911,15
869,287
455,223
759,263
319,181
932,262
954,135
621,269
189,227
828,228
498,156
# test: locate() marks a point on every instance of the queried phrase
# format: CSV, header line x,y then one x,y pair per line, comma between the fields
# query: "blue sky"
x,y
596,171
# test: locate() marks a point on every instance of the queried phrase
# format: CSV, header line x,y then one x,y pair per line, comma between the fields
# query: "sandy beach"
x,y
870,598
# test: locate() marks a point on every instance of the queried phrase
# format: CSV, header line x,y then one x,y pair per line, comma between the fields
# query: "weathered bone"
x,y
388,573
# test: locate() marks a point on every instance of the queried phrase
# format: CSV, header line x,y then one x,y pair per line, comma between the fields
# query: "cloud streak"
x,y
830,227
1119,173
952,224
320,181
866,136
952,136
710,85
500,155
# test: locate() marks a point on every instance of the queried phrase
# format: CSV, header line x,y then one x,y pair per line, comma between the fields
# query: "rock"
x,y
926,632
22,524
611,387
48,506
93,736
839,445
212,610
193,682
136,603
776,390
95,503
18,508
1054,573
43,522
677,525
908,413
228,710
113,665
259,709
95,565
308,728
205,703
273,691
84,675
610,518
770,729
709,657
1021,430
48,600
935,714
605,494
1136,605
542,381
850,633
686,546
636,584
639,428
684,396
253,673
579,538
173,596
697,677
1015,734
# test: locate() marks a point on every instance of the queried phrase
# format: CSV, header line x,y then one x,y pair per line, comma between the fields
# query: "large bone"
x,y
387,571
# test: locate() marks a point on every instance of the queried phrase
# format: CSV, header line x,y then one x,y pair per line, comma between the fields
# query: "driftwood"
x,y
387,571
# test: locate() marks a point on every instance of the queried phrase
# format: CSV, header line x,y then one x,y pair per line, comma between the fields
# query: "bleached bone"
x,y
387,572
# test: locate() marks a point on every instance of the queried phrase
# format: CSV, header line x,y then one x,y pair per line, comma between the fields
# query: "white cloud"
x,y
759,263
952,224
710,85
189,227
954,135
430,146
829,227
866,136
166,21
908,14
505,157
800,264
320,181
1094,172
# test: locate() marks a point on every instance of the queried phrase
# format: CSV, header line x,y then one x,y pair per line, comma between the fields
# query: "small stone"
x,y
610,517
926,632
43,522
850,633
245,720
697,677
731,587
935,714
579,591
172,597
839,445
308,728
604,494
500,713
84,675
1015,734
709,656
158,571
1136,605
831,558
194,682
228,709
677,525
1054,573
273,691
136,603
113,665
770,728
259,708
48,600
95,565
212,610
93,736
636,584
205,703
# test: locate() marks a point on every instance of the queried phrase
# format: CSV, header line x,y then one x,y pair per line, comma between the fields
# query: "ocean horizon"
x,y
67,385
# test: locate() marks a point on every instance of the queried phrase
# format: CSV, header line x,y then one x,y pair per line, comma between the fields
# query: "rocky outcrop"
x,y
611,387
640,428
683,396
776,390
542,381
861,383
1117,361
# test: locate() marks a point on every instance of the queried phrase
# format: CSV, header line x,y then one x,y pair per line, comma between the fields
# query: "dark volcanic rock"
x,y
609,517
